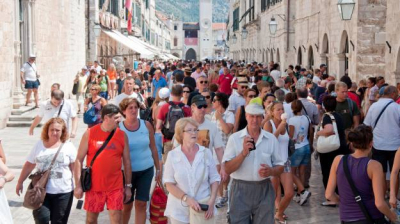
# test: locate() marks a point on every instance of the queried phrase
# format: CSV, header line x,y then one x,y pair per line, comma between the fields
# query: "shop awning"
x,y
127,42
147,46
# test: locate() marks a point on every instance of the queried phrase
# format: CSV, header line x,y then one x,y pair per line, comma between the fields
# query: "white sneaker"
x,y
304,196
296,198
219,203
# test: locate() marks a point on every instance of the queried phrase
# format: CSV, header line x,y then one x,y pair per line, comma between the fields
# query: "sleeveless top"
x,y
349,209
283,142
242,119
106,175
97,108
139,146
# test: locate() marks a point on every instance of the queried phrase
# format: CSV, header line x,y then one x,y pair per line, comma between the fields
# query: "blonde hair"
x,y
340,85
179,128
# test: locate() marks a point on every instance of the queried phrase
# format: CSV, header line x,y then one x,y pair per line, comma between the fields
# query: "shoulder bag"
x,y
380,114
198,217
357,196
34,196
86,173
326,144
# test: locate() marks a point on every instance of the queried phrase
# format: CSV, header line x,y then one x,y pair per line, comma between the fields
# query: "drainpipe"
x,y
88,24
287,26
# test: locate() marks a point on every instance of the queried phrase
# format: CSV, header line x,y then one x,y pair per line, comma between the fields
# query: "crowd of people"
x,y
216,134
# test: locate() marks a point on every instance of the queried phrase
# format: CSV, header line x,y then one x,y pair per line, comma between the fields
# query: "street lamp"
x,y
97,30
273,26
244,33
234,38
346,8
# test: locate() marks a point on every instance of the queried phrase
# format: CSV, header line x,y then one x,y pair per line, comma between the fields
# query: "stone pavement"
x,y
17,144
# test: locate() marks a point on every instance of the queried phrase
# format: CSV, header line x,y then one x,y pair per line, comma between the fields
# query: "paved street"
x,y
17,144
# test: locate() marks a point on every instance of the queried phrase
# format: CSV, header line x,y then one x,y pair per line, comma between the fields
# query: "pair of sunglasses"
x,y
202,106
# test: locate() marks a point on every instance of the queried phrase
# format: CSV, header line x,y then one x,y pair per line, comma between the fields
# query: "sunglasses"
x,y
186,91
93,89
207,97
215,100
203,82
244,87
202,106
136,89
251,96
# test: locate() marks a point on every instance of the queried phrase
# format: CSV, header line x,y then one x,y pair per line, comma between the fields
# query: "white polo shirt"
x,y
267,152
29,71
48,111
387,131
235,102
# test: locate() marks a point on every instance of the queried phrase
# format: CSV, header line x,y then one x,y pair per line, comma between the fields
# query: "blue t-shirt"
x,y
158,85
139,146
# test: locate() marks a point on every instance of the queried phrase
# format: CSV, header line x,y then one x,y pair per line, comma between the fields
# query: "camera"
x,y
254,145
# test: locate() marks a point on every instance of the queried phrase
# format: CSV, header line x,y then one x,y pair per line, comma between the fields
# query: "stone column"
x,y
94,19
18,97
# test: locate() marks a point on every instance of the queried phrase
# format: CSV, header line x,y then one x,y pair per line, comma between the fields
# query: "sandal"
x,y
279,221
328,204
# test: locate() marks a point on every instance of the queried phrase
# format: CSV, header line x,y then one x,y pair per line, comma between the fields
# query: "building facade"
x,y
310,33
52,30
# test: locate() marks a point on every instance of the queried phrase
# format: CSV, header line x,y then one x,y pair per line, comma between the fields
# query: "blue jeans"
x,y
301,156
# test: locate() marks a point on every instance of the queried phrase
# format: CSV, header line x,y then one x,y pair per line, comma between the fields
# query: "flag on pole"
x,y
128,6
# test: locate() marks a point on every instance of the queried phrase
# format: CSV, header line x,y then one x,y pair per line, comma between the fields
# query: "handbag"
x,y
158,203
326,144
86,172
198,217
34,196
90,117
357,196
75,88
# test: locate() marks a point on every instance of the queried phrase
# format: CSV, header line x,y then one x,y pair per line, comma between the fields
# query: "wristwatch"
x,y
128,185
184,198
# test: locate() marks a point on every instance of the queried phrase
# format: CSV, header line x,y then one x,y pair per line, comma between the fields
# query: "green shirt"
x,y
347,112
103,84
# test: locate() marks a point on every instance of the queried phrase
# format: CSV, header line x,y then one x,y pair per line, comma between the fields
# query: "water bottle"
x,y
300,136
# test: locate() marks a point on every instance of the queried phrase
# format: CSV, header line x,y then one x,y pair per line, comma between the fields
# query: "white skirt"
x,y
5,213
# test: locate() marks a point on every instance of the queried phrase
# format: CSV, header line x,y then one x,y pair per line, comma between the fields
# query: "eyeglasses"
x,y
207,97
191,131
186,91
136,89
251,96
202,106
203,82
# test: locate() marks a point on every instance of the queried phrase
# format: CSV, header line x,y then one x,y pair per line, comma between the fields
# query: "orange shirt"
x,y
106,170
112,75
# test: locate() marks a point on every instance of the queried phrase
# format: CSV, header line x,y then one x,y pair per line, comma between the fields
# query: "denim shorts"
x,y
31,84
301,156
141,183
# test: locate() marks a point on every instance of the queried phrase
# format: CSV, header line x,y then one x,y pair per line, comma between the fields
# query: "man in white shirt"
x,y
275,73
29,78
129,83
96,67
56,106
386,130
236,100
252,158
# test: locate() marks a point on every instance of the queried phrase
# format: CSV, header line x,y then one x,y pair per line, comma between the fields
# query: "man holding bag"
x,y
106,177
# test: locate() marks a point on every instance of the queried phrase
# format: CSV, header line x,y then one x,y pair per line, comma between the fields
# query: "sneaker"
x,y
304,196
219,203
296,198
224,200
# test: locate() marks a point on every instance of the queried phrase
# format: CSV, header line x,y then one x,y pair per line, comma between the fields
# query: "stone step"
x,y
19,123
22,110
22,117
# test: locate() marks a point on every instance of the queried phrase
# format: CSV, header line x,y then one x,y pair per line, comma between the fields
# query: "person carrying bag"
x,y
36,192
326,144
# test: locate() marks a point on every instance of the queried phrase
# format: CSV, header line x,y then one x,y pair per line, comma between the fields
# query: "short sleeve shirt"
x,y
48,111
235,102
224,83
229,118
60,180
158,85
372,93
344,109
300,124
29,71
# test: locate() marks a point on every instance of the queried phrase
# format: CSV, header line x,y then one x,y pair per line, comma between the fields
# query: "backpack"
x,y
90,116
350,103
175,113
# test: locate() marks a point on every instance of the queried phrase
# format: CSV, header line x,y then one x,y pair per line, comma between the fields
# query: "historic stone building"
x,y
52,30
312,32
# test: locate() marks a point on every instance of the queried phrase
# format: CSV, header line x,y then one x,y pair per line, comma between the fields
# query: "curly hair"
x,y
46,128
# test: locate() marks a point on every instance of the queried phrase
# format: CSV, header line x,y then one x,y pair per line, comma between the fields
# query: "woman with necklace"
x,y
144,157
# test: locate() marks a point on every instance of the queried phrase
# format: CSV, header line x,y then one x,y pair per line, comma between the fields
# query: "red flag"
x,y
128,6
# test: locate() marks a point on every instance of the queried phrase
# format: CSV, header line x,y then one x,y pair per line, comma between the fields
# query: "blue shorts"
x,y
31,84
301,156
141,183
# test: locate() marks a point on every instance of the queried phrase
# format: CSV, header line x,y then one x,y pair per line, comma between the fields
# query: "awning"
x,y
172,56
147,46
247,12
119,37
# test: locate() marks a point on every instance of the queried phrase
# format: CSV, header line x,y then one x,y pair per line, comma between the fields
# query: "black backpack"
x,y
175,113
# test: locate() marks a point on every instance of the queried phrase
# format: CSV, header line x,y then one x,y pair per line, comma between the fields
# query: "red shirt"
x,y
224,83
162,113
354,97
106,170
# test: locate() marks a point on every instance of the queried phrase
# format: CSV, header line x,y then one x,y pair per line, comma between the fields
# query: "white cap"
x,y
164,93
32,55
255,109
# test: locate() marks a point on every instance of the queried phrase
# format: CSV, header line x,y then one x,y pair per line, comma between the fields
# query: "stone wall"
x,y
393,37
7,65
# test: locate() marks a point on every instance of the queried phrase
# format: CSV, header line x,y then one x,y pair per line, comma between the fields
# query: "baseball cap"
x,y
264,71
303,70
255,109
199,100
164,93
323,65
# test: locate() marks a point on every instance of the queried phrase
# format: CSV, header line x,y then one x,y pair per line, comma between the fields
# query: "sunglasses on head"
x,y
203,82
202,106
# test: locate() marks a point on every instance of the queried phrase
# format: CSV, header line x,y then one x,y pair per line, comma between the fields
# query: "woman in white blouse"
x,y
190,176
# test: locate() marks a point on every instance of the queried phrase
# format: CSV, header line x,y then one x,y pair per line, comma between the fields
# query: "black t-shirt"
x,y
340,127
146,76
190,82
